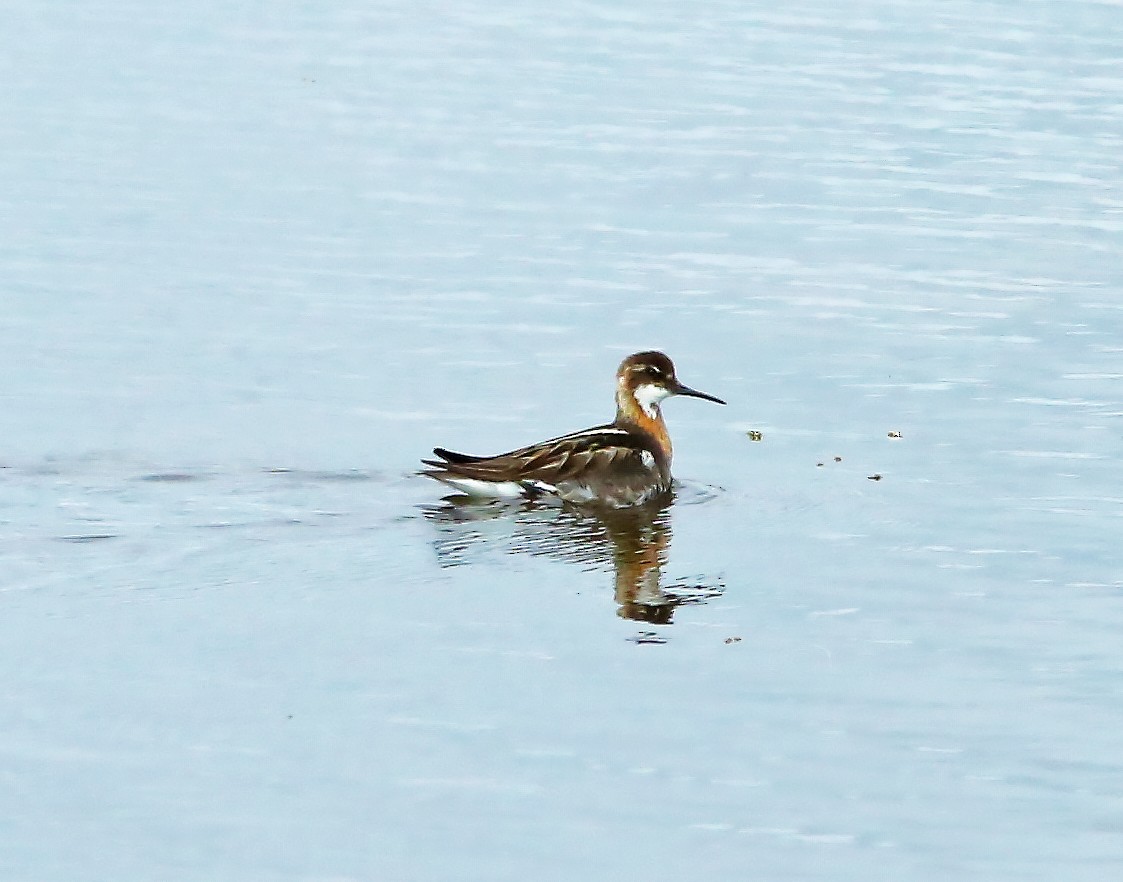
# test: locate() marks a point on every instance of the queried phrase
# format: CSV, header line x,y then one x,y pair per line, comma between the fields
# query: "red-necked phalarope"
x,y
625,462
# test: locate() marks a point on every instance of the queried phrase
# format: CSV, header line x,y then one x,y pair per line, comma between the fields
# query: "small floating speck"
x,y
838,459
87,537
729,640
755,435
894,434
873,477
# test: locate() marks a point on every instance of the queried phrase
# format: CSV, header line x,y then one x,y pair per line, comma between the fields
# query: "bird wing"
x,y
565,459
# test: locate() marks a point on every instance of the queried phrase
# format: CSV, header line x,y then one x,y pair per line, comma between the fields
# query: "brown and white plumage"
x,y
625,462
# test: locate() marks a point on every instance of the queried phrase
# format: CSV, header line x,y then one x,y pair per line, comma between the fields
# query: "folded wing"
x,y
576,467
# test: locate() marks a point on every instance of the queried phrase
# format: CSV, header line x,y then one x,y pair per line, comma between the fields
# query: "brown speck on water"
x,y
754,435
874,477
838,459
894,434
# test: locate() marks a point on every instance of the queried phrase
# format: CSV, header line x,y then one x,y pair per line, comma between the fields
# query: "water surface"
x,y
258,261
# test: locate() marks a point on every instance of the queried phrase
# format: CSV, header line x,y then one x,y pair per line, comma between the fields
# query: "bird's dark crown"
x,y
644,368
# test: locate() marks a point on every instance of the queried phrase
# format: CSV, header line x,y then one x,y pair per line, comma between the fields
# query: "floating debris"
x,y
754,435
648,637
873,477
894,434
729,640
838,459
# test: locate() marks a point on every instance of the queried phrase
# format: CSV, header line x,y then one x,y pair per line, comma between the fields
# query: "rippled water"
x,y
257,261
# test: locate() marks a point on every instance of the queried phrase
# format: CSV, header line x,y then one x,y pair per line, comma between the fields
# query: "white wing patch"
x,y
611,430
648,459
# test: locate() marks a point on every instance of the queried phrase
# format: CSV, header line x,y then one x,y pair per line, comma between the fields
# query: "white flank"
x,y
486,489
649,395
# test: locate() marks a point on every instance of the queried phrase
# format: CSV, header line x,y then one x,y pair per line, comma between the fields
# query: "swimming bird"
x,y
623,463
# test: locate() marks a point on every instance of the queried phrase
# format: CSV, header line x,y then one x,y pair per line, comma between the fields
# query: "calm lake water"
x,y
258,259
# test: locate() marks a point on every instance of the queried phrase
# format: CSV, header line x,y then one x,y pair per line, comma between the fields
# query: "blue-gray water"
x,y
257,259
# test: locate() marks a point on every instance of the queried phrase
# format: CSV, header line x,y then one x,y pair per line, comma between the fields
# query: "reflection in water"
x,y
632,542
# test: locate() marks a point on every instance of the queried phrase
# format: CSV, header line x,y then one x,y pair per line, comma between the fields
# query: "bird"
x,y
623,463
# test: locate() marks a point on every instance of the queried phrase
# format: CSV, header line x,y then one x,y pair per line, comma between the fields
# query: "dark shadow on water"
x,y
633,544
320,475
173,477
304,476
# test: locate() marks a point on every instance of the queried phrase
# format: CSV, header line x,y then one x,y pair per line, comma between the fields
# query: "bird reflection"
x,y
631,542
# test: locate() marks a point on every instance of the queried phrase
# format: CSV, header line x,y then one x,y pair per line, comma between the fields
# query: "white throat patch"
x,y
649,395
